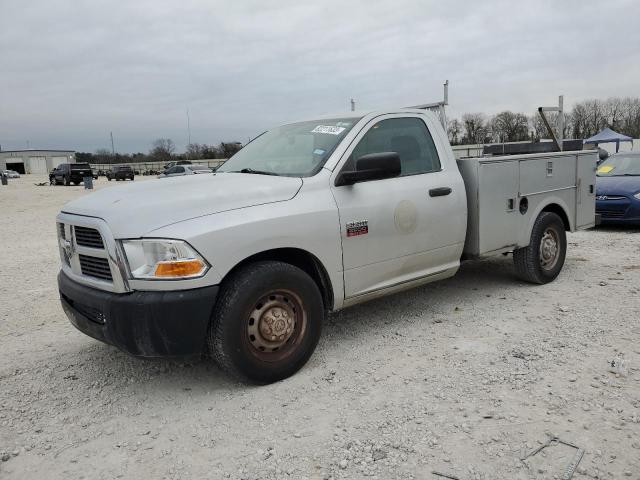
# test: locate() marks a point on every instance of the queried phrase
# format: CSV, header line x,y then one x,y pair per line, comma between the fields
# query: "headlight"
x,y
637,195
158,259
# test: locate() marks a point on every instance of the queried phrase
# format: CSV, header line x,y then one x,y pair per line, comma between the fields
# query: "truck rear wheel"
x,y
543,259
266,322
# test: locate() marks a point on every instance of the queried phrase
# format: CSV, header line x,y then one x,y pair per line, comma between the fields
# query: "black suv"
x,y
120,172
68,173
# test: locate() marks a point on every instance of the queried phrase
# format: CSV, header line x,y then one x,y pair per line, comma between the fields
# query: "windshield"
x,y
620,165
295,150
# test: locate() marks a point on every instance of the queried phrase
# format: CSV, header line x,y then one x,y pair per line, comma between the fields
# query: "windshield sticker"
x,y
318,151
343,124
605,169
328,129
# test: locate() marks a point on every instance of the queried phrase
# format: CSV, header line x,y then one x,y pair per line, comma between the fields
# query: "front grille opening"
x,y
611,213
88,237
95,267
61,233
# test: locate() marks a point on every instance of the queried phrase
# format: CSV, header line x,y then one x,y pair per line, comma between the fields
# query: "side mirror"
x,y
374,166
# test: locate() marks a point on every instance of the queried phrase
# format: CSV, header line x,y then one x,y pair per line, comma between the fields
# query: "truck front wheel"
x,y
542,260
266,322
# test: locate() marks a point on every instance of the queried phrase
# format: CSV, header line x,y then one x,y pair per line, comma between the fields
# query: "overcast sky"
x,y
72,71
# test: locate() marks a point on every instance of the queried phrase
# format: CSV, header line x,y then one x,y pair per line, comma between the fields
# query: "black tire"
x,y
52,181
76,183
535,264
245,295
109,178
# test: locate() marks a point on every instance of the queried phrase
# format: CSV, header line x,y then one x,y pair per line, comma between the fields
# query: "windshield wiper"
x,y
257,172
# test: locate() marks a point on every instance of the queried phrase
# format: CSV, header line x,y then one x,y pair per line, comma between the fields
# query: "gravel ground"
x,y
464,377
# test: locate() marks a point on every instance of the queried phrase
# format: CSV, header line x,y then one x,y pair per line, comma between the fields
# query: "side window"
x,y
409,137
179,170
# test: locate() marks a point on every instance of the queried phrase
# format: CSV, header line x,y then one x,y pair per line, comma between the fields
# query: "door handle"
x,y
440,192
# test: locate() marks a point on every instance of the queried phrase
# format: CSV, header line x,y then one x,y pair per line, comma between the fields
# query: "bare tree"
x,y
227,149
614,112
454,131
475,128
631,117
585,119
103,155
508,126
194,151
596,117
539,129
162,149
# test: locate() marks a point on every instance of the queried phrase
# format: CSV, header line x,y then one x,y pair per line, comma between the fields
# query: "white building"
x,y
35,161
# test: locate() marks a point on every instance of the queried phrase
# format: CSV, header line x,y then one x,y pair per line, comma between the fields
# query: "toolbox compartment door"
x,y
497,205
585,191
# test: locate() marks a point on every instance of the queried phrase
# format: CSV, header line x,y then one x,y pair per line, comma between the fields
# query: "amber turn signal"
x,y
179,269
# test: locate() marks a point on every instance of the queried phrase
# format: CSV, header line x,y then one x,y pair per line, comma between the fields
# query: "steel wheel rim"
x,y
549,249
276,325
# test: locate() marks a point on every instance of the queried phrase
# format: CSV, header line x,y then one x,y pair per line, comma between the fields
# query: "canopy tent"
x,y
606,136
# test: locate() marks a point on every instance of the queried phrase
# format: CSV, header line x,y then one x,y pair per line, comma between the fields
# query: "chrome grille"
x,y
95,267
88,237
89,253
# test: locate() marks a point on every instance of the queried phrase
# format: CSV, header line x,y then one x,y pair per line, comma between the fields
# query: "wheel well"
x,y
304,261
558,210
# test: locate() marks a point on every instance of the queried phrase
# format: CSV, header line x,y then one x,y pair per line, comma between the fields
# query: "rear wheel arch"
x,y
300,258
561,212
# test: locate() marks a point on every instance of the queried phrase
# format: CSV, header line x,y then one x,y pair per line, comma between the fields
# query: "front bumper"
x,y
619,211
144,324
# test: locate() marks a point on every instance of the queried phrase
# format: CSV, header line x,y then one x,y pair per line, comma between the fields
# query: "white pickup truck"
x,y
310,217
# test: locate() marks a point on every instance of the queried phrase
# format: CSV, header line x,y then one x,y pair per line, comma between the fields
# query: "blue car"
x,y
618,189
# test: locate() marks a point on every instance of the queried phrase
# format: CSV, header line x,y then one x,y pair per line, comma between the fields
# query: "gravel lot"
x,y
464,377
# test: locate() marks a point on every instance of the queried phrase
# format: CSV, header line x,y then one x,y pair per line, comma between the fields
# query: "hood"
x,y
135,209
617,185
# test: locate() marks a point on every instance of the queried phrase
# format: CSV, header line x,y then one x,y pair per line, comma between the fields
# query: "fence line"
x,y
156,166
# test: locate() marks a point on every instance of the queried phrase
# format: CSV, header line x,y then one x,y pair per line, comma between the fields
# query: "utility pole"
x,y
189,126
353,105
113,150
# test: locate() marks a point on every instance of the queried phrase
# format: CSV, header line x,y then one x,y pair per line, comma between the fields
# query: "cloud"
x,y
74,71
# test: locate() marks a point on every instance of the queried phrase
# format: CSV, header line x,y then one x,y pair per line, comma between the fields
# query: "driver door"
x,y
400,229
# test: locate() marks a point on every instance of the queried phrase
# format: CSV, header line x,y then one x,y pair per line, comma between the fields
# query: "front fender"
x,y
308,222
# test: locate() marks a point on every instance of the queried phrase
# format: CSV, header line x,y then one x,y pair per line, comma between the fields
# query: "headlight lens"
x,y
159,259
637,195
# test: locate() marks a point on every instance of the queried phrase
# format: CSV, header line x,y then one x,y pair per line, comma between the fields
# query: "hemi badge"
x,y
357,228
